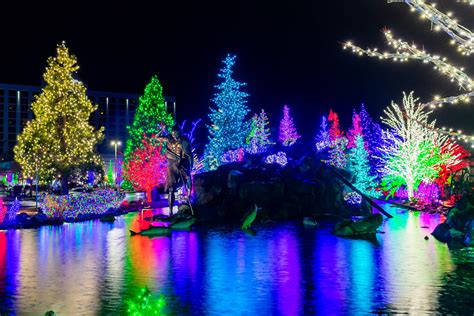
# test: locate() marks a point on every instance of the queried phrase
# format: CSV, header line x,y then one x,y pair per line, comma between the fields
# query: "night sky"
x,y
289,52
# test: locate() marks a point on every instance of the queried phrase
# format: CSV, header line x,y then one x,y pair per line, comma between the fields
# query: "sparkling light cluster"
x,y
144,304
72,205
279,158
353,198
233,156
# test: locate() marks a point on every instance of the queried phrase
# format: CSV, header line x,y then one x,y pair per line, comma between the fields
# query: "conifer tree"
x,y
229,127
288,135
59,140
110,174
322,139
150,115
335,130
358,166
356,129
260,134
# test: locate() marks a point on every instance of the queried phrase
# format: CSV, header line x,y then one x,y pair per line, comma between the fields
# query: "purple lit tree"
x,y
288,135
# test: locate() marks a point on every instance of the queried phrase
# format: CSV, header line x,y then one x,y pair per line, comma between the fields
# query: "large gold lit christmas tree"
x,y
59,140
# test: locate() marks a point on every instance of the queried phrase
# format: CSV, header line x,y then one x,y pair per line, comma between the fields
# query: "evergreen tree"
x,y
337,155
260,134
229,128
372,133
355,130
150,115
59,140
288,135
146,167
110,174
335,130
358,165
322,139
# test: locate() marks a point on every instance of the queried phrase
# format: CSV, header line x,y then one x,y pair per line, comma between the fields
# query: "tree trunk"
x,y
64,185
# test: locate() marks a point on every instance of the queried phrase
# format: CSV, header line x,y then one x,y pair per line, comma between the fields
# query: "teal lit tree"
x,y
229,128
150,115
358,166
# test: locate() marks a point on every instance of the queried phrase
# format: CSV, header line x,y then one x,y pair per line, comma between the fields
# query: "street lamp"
x,y
115,144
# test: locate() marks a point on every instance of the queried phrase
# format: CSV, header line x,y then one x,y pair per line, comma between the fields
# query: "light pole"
x,y
115,144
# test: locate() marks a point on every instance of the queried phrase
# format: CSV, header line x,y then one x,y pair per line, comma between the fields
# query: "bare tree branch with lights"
x,y
402,51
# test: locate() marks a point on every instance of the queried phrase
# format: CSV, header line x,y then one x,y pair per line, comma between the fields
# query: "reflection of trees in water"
x,y
458,285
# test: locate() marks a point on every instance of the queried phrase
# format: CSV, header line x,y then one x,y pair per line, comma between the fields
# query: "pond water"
x,y
286,269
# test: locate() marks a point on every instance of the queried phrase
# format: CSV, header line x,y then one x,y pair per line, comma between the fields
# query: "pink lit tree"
x,y
146,167
288,135
356,129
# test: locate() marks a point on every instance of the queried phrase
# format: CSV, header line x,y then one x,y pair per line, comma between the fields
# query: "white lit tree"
x,y
413,150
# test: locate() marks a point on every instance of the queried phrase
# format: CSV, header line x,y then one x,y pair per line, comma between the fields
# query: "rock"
x,y
365,226
309,221
234,179
441,232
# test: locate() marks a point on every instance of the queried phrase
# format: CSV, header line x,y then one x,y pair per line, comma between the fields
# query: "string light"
x,y
460,35
73,205
404,52
279,158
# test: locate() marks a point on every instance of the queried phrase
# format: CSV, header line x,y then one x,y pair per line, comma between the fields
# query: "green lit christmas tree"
x,y
110,174
358,165
260,134
229,127
150,114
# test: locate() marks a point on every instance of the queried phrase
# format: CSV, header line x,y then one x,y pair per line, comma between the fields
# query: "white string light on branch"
x,y
402,52
461,36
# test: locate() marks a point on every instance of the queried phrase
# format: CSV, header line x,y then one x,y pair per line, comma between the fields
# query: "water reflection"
x,y
94,267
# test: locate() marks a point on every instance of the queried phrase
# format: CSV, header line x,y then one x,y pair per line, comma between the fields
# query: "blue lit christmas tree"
x,y
322,139
229,127
372,136
358,166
